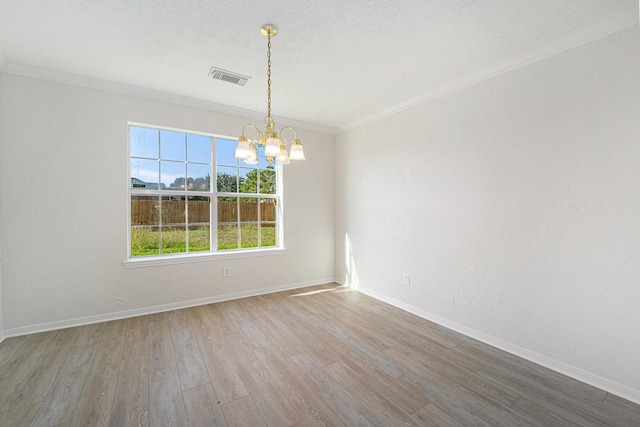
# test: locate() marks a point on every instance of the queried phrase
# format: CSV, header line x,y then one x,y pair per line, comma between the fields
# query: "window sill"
x,y
150,261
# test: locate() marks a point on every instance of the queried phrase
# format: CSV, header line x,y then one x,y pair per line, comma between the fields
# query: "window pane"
x,y
227,210
199,238
268,224
145,210
144,142
199,223
224,152
250,180
249,235
268,210
227,179
173,175
227,236
248,222
198,148
268,181
174,239
199,177
199,210
145,238
227,223
267,234
173,210
172,145
144,174
248,210
173,217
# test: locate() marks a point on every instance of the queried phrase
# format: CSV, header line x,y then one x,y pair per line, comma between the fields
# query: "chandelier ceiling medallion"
x,y
275,145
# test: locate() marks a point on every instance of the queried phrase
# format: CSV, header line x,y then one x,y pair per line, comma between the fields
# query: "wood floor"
x,y
323,355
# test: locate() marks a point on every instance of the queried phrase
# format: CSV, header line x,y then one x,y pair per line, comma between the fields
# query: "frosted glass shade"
x,y
252,158
296,150
283,157
273,147
242,148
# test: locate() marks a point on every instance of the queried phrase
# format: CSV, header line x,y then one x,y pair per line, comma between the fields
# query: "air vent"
x,y
228,76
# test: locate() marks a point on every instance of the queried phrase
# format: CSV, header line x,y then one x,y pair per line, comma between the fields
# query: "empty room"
x,y
335,213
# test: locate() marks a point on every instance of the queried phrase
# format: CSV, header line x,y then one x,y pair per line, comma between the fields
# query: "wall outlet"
x,y
226,271
406,279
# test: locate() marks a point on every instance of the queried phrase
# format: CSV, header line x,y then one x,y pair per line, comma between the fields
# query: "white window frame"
x,y
213,253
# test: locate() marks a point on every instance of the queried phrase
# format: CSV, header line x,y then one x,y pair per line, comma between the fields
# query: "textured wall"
x,y
514,206
64,187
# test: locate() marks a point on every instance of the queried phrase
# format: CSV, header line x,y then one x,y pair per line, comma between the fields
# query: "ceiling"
x,y
336,63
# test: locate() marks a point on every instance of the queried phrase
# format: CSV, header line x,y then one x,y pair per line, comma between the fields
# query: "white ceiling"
x,y
336,63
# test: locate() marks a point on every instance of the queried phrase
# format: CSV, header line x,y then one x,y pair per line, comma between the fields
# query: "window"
x,y
190,195
247,200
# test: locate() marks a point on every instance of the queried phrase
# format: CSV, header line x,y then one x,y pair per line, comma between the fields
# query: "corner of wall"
x,y
1,168
1,315
1,311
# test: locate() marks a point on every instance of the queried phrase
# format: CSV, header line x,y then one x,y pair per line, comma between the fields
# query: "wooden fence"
x,y
147,211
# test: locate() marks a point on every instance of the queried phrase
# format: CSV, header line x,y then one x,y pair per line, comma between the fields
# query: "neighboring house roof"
x,y
138,183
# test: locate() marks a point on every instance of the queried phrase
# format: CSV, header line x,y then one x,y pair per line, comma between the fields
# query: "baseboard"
x,y
563,368
43,327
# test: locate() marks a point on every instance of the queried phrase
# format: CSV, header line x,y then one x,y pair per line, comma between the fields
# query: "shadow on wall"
x,y
351,278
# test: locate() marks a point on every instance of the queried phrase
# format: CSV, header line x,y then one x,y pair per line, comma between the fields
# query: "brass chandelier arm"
x,y
295,133
252,126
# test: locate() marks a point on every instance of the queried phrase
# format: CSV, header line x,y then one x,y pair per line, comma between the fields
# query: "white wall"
x,y
64,217
515,208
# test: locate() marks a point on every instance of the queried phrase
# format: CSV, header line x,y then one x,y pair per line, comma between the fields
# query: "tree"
x,y
228,183
202,183
267,182
178,183
197,184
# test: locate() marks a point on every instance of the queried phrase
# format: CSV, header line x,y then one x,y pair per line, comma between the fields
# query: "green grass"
x,y
228,236
146,240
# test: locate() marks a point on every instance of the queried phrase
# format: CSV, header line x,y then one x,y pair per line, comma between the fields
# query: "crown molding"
x,y
611,26
149,94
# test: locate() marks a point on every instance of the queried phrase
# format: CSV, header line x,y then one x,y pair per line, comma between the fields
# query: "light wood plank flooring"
x,y
323,355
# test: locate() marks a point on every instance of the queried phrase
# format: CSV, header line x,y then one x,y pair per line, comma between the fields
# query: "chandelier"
x,y
275,145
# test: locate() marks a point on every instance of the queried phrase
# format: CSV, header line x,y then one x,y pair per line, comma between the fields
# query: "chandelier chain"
x,y
274,145
269,77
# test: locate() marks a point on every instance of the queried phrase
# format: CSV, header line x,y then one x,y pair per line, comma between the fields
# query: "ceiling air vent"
x,y
228,76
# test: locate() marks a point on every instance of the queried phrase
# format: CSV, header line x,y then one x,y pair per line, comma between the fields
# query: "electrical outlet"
x,y
226,271
406,279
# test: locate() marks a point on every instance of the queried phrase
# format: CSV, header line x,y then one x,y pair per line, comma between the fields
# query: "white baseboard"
x,y
563,368
62,324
